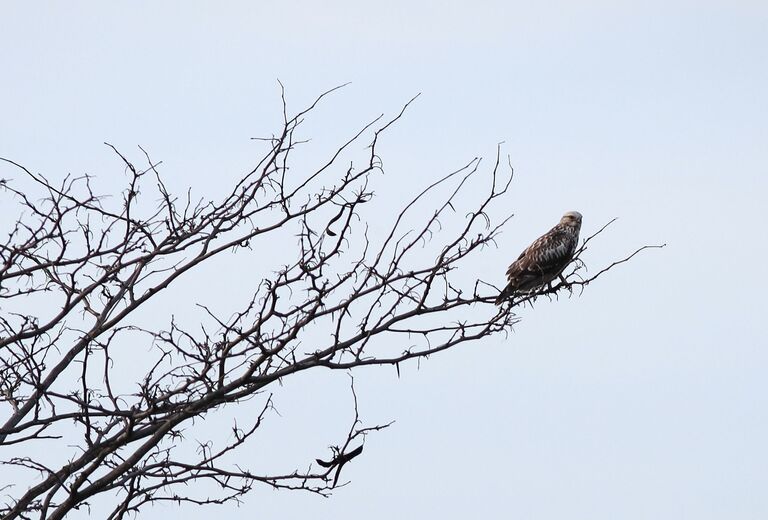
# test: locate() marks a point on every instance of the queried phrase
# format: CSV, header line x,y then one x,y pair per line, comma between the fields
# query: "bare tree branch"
x,y
76,267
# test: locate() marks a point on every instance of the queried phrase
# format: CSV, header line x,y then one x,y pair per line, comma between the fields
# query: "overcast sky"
x,y
645,398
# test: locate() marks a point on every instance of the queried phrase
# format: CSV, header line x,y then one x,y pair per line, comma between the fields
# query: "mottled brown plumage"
x,y
545,259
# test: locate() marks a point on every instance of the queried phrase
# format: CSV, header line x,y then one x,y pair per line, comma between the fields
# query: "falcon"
x,y
545,259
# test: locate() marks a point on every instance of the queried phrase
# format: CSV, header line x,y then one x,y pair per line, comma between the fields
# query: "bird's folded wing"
x,y
549,253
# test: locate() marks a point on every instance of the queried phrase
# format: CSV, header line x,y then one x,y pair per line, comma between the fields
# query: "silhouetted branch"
x,y
87,417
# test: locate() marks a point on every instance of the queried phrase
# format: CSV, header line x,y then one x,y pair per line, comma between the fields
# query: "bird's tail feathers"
x,y
505,294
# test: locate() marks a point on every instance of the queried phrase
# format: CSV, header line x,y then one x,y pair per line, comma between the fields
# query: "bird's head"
x,y
572,218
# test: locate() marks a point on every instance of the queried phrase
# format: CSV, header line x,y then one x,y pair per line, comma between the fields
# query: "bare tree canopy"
x,y
76,267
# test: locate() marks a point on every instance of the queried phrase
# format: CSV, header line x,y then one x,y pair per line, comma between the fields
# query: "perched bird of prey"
x,y
545,259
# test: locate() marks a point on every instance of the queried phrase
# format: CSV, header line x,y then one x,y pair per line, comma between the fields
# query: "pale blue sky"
x,y
646,398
